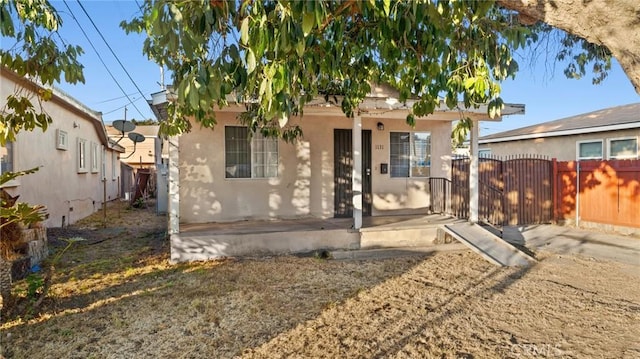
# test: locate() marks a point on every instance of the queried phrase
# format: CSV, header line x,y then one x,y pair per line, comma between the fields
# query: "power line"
x,y
114,110
117,98
110,49
121,107
100,58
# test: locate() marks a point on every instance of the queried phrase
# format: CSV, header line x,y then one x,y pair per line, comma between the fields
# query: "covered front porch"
x,y
259,238
373,164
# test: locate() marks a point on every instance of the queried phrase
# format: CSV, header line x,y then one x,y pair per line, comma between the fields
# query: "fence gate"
x,y
514,191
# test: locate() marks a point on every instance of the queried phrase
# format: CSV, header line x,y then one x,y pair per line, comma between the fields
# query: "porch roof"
x,y
382,102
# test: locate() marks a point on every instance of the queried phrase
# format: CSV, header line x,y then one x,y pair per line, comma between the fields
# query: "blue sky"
x,y
547,95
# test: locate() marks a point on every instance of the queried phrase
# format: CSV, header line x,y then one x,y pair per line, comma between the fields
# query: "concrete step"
x,y
372,238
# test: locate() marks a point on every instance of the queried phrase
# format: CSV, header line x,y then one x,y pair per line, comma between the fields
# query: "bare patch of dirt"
x,y
116,296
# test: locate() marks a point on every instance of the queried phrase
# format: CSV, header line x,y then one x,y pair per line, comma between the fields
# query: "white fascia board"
x,y
579,131
371,103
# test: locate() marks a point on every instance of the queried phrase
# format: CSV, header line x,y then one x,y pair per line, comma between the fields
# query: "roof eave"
x,y
579,131
369,106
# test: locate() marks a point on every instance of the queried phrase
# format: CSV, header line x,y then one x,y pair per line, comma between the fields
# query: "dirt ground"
x,y
115,296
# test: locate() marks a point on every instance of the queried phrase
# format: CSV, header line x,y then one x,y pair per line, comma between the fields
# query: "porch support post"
x,y
356,174
174,186
473,174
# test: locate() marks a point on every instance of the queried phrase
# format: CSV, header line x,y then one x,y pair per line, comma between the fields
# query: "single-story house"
x,y
142,155
371,165
139,155
79,166
611,133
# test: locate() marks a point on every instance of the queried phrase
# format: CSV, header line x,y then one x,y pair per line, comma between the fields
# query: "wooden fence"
x,y
606,192
515,190
532,190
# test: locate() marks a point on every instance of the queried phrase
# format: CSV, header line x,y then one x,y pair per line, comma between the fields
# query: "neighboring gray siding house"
x,y
610,133
78,163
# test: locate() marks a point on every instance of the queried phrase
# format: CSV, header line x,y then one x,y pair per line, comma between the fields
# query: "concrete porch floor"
x,y
263,237
317,224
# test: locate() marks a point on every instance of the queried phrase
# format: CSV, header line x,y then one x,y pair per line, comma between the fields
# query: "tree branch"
x,y
597,21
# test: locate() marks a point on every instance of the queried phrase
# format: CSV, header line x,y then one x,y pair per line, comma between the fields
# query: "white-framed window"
x,y
114,163
249,158
484,153
82,155
62,140
410,154
589,150
6,152
623,148
95,157
7,161
103,166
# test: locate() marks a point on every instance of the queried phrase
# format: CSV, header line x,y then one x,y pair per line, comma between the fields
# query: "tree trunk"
x,y
612,23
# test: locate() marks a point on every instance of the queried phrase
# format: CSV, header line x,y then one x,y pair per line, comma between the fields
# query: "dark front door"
x,y
343,167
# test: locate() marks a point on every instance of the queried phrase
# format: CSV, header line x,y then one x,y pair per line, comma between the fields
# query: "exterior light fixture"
x,y
380,126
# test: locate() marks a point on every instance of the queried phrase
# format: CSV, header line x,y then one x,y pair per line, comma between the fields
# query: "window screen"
x,y
244,158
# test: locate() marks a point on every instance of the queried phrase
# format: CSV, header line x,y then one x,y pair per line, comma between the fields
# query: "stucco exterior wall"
x,y
67,194
563,148
305,183
405,195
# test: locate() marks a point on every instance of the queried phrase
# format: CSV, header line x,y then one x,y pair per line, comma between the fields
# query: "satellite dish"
x,y
123,125
135,137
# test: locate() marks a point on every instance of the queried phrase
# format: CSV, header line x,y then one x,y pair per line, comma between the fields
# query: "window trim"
x,y
609,140
578,143
410,156
95,157
251,154
81,155
62,140
16,181
114,161
487,151
103,163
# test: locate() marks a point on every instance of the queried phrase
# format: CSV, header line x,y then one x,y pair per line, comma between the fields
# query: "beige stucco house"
x,y
142,155
150,154
371,165
79,166
611,133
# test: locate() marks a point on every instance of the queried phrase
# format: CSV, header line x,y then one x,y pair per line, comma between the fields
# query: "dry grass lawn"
x,y
116,296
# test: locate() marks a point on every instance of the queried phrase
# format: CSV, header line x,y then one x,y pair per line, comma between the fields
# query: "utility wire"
x,y
101,60
116,109
118,98
110,49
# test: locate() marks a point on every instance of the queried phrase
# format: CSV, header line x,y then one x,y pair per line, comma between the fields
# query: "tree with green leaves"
x,y
276,56
32,49
595,28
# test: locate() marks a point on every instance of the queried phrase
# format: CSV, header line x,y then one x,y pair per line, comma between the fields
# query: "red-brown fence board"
x,y
516,190
609,191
